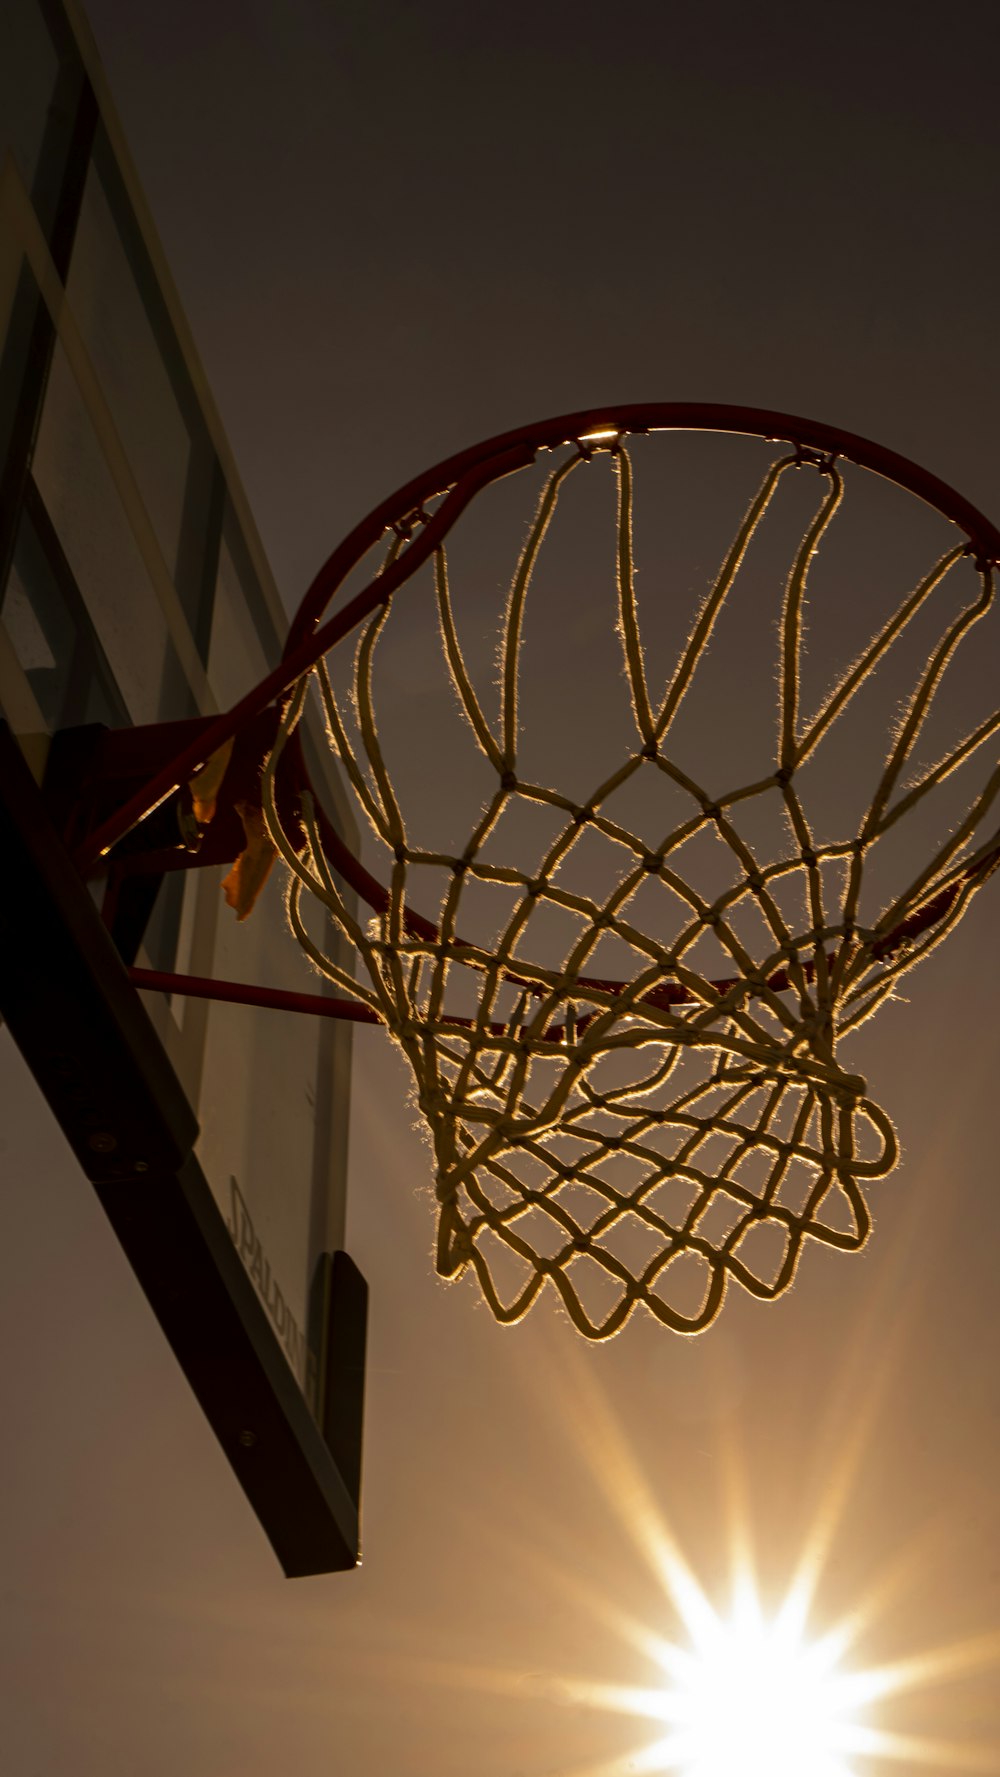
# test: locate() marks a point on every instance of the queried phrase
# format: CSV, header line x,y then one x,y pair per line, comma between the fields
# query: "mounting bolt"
x,y
248,1439
102,1141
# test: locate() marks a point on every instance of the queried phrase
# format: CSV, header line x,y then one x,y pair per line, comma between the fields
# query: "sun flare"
x,y
752,1673
754,1680
759,1698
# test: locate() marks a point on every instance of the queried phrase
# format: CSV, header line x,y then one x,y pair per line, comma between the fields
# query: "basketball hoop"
x,y
643,1135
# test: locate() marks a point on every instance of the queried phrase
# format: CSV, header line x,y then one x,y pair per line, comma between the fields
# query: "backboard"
x,y
133,590
643,1109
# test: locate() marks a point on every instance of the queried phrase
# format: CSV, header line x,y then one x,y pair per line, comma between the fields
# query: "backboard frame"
x,y
75,1016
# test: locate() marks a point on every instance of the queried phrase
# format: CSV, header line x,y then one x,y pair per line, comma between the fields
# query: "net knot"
x,y
462,1244
405,527
824,461
850,1089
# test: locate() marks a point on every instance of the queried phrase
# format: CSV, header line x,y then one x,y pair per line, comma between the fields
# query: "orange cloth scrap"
x,y
253,866
251,870
206,783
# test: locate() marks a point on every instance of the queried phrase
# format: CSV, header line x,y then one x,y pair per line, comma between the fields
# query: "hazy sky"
x,y
398,228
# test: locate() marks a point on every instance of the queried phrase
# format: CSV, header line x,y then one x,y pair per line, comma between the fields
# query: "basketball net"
x,y
645,1142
